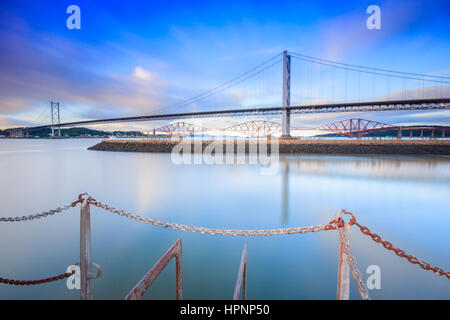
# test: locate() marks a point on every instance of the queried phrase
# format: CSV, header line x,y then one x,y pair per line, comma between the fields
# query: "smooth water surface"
x,y
404,199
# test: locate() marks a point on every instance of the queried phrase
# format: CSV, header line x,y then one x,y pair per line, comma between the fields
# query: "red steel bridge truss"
x,y
262,128
256,128
356,127
360,127
179,129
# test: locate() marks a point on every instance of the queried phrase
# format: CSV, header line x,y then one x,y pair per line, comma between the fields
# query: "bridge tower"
x,y
56,121
286,114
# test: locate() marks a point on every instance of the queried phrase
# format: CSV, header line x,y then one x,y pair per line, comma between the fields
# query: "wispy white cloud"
x,y
430,92
37,67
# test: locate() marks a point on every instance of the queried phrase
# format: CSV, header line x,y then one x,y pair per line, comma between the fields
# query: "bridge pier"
x,y
286,113
286,124
399,134
56,120
19,133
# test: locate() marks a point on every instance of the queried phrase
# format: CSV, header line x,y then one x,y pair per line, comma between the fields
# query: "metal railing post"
x,y
85,251
146,281
241,277
343,286
179,272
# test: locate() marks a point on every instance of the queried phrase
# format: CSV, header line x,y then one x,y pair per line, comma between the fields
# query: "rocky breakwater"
x,y
290,146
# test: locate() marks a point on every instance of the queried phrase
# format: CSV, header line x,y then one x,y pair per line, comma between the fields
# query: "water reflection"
x,y
378,167
285,191
404,199
428,169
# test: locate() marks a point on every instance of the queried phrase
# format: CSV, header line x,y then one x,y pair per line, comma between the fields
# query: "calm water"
x,y
404,199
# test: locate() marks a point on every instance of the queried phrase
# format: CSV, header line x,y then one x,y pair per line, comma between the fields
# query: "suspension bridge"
x,y
290,84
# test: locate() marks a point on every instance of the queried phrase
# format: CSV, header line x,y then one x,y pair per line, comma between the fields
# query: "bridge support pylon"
x,y
286,124
286,114
399,133
56,120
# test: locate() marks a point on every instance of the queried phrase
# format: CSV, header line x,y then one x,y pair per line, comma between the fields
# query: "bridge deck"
x,y
423,104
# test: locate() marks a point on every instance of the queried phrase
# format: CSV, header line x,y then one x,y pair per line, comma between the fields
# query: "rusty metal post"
x,y
179,272
141,287
85,251
343,286
241,277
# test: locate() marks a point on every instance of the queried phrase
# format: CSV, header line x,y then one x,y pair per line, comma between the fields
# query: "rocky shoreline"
x,y
291,146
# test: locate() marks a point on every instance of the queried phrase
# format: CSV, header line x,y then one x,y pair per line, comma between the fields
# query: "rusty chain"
x,y
34,282
399,252
38,216
213,231
332,225
43,214
356,274
32,217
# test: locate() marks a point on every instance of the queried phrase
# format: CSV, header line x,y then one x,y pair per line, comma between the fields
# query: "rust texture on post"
x,y
141,287
241,277
179,272
343,286
85,252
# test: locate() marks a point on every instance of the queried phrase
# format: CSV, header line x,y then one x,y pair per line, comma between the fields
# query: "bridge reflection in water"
x,y
431,169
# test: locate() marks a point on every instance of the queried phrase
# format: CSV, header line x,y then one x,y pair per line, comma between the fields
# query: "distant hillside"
x,y
79,132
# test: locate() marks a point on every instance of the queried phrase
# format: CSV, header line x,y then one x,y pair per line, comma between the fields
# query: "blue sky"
x,y
136,57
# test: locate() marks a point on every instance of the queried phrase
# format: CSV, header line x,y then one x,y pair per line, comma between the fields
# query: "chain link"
x,y
213,231
399,252
40,215
332,225
34,282
356,274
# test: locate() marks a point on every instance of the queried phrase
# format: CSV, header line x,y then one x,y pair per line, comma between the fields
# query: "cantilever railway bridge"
x,y
262,128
